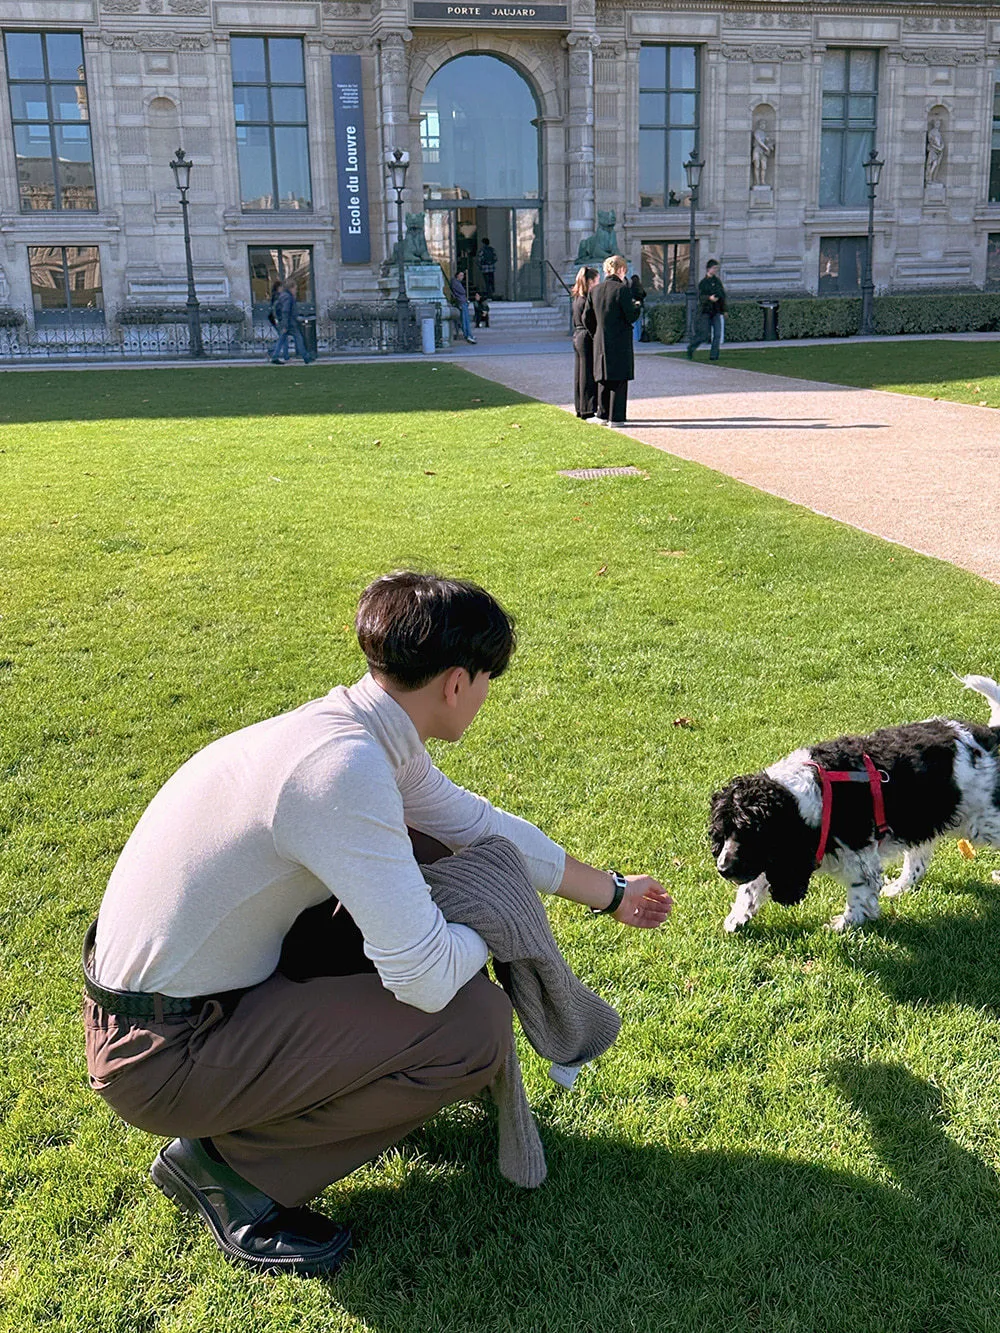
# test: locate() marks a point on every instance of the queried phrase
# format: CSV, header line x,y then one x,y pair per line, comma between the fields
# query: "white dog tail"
x,y
983,685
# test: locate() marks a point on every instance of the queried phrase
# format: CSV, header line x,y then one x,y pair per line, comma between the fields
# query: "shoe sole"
x,y
178,1190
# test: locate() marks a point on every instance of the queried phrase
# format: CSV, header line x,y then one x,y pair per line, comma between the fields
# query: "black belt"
x,y
145,1004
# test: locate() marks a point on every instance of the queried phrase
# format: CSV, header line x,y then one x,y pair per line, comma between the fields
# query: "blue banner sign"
x,y
352,172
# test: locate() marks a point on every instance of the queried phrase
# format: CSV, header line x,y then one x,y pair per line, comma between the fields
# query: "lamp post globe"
x,y
181,167
397,162
693,168
873,172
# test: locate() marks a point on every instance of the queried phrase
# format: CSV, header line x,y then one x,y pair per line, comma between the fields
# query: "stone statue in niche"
x,y
934,151
761,151
603,243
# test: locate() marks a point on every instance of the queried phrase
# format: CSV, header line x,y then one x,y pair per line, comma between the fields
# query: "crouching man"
x,y
282,1056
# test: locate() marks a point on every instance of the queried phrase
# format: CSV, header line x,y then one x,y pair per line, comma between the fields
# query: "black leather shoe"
x,y
248,1226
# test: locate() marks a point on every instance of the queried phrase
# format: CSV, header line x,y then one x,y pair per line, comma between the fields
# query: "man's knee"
x,y
480,1025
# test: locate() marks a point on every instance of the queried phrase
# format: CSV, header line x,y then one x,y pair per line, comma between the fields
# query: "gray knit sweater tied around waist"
x,y
487,887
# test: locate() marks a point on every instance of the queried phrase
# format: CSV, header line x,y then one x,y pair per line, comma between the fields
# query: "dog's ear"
x,y
791,854
717,821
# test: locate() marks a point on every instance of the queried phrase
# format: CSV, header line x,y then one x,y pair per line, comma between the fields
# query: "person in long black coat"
x,y
609,314
584,384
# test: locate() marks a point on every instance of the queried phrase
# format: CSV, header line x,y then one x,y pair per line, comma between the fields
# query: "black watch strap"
x,y
621,884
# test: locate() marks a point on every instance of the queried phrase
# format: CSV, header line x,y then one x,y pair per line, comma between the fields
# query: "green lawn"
x,y
964,372
795,1133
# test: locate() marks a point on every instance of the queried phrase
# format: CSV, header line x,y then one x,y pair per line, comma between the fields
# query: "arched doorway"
x,y
480,145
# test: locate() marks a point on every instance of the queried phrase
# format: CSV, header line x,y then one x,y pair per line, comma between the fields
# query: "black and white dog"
x,y
894,792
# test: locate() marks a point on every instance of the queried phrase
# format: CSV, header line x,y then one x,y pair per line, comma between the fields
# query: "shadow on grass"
x,y
627,1237
246,391
948,959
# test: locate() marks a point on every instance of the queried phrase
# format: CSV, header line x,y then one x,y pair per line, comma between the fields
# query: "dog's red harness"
x,y
872,775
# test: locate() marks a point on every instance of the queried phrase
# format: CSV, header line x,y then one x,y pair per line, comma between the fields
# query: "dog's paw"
x,y
734,921
894,887
996,877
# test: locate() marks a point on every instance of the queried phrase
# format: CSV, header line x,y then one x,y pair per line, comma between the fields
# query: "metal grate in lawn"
x,y
593,473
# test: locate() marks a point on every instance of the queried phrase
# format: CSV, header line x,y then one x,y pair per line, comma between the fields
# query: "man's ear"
x,y
453,685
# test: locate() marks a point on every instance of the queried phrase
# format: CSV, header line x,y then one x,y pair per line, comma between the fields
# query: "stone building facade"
x,y
573,111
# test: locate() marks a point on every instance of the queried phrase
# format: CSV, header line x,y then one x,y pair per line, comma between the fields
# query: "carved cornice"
x,y
156,41
939,55
345,45
763,52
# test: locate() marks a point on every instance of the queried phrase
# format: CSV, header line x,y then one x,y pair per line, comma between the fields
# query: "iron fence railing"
x,y
363,328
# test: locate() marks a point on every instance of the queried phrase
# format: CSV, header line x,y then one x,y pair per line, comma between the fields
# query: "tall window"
x,y
995,148
668,122
65,281
272,141
48,107
850,91
665,266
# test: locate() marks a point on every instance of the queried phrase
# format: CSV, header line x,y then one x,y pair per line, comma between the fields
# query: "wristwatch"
x,y
621,884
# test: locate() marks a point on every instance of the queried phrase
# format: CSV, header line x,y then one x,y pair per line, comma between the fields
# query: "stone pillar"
x,y
393,84
580,138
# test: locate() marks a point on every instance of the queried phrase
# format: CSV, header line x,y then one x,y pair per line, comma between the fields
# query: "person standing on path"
x,y
461,299
609,314
270,979
710,324
584,384
487,259
287,323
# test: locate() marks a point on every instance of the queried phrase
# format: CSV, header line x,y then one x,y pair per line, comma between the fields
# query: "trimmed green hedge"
x,y
840,317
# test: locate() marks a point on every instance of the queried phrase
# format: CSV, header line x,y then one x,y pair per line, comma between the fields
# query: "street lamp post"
x,y
181,167
397,162
693,168
873,170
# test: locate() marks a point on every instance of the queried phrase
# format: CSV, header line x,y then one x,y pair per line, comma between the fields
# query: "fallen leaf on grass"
x,y
603,569
675,554
514,426
276,479
477,400
376,443
682,1100
429,474
684,722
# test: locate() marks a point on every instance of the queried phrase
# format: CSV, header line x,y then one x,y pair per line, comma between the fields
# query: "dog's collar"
x,y
872,775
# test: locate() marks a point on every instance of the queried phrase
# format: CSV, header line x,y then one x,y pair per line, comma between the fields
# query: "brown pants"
x,y
304,1080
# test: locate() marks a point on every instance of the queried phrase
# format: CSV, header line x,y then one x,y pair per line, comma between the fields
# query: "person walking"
x,y
461,299
487,258
710,324
584,384
287,317
609,314
270,979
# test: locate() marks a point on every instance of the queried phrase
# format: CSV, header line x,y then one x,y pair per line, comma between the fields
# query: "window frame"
x,y
675,289
271,123
859,243
668,126
52,122
68,313
845,124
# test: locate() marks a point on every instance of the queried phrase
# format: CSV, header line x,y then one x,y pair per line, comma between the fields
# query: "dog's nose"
x,y
727,857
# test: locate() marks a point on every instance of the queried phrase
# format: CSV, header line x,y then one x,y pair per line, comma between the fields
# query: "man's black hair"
x,y
712,263
412,626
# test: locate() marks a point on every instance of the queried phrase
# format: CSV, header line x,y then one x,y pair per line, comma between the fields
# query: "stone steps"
x,y
533,316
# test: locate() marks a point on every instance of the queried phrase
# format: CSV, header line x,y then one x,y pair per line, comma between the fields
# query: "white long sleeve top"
x,y
275,818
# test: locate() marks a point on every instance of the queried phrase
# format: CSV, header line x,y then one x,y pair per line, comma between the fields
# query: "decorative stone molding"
x,y
611,17
740,20
119,6
156,41
585,8
342,9
539,60
921,23
940,55
345,45
582,39
187,6
764,51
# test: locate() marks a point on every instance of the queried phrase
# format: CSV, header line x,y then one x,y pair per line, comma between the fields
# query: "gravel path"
x,y
922,473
